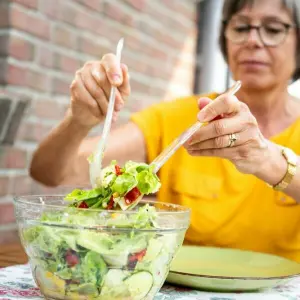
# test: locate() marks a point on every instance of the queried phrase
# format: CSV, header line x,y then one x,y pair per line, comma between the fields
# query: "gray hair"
x,y
231,7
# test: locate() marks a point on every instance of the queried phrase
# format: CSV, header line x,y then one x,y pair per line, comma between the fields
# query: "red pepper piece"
x,y
132,195
118,170
110,204
83,205
134,258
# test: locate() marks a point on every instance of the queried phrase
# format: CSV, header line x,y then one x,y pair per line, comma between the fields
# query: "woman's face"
x,y
256,65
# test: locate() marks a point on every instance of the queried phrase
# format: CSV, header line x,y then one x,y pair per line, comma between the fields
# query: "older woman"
x,y
242,185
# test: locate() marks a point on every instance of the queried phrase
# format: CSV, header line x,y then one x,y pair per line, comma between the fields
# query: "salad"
x,y
120,187
92,250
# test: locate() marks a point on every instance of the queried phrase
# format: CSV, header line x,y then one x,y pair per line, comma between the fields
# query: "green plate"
x,y
229,270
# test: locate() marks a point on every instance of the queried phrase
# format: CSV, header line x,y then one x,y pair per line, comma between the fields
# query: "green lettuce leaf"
x,y
147,182
124,183
80,195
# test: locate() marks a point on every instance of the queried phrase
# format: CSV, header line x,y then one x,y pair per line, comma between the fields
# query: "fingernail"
x,y
191,143
116,78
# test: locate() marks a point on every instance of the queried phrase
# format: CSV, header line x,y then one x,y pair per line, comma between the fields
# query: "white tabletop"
x,y
17,283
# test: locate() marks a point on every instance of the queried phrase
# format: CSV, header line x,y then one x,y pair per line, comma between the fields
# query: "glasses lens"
x,y
237,32
273,33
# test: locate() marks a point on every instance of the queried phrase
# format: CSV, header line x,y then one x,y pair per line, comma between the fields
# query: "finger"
x,y
94,88
81,94
218,128
224,141
125,88
100,77
112,69
222,153
202,102
99,74
224,104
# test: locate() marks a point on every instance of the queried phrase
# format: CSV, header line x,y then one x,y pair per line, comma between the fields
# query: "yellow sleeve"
x,y
150,123
164,121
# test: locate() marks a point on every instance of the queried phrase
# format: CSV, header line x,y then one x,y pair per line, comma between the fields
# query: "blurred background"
x,y
171,49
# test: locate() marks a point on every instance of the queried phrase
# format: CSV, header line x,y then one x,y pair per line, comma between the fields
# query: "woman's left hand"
x,y
236,136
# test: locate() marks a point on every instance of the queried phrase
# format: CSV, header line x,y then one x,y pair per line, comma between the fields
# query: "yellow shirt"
x,y
229,209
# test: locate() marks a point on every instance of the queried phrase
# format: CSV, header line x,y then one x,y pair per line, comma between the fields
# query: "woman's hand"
x,y
91,88
236,136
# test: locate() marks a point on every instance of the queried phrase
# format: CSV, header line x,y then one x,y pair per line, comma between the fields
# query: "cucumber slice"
x,y
114,277
153,250
139,284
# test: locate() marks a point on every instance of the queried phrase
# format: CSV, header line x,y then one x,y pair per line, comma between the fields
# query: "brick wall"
x,y
43,43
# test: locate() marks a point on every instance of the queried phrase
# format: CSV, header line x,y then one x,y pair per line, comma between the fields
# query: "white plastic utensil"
x,y
162,158
96,161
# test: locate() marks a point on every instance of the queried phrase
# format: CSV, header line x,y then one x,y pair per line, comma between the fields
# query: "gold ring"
x,y
232,139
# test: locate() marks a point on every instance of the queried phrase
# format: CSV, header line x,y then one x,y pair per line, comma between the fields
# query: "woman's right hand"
x,y
91,88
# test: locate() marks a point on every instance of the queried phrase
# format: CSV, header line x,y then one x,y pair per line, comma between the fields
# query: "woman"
x,y
242,187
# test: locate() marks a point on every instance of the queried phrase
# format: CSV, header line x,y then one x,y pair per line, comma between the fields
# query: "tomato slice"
x,y
110,204
134,258
83,205
132,195
71,258
118,170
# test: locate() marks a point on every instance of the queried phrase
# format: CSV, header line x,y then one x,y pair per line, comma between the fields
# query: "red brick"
x,y
95,5
32,24
68,13
4,186
49,109
7,213
21,48
89,46
50,8
189,12
27,3
60,86
38,81
64,37
104,28
45,57
15,75
87,21
138,4
12,158
20,185
113,11
66,63
134,42
71,14
33,132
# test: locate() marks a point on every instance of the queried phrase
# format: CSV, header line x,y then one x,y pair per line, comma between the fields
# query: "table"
x,y
12,254
16,282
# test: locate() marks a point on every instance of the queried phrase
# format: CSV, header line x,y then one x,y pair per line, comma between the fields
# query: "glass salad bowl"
x,y
78,253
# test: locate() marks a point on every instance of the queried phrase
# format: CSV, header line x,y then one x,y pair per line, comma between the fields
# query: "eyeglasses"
x,y
271,33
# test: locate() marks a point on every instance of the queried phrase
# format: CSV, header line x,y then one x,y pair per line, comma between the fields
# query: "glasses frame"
x,y
287,27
